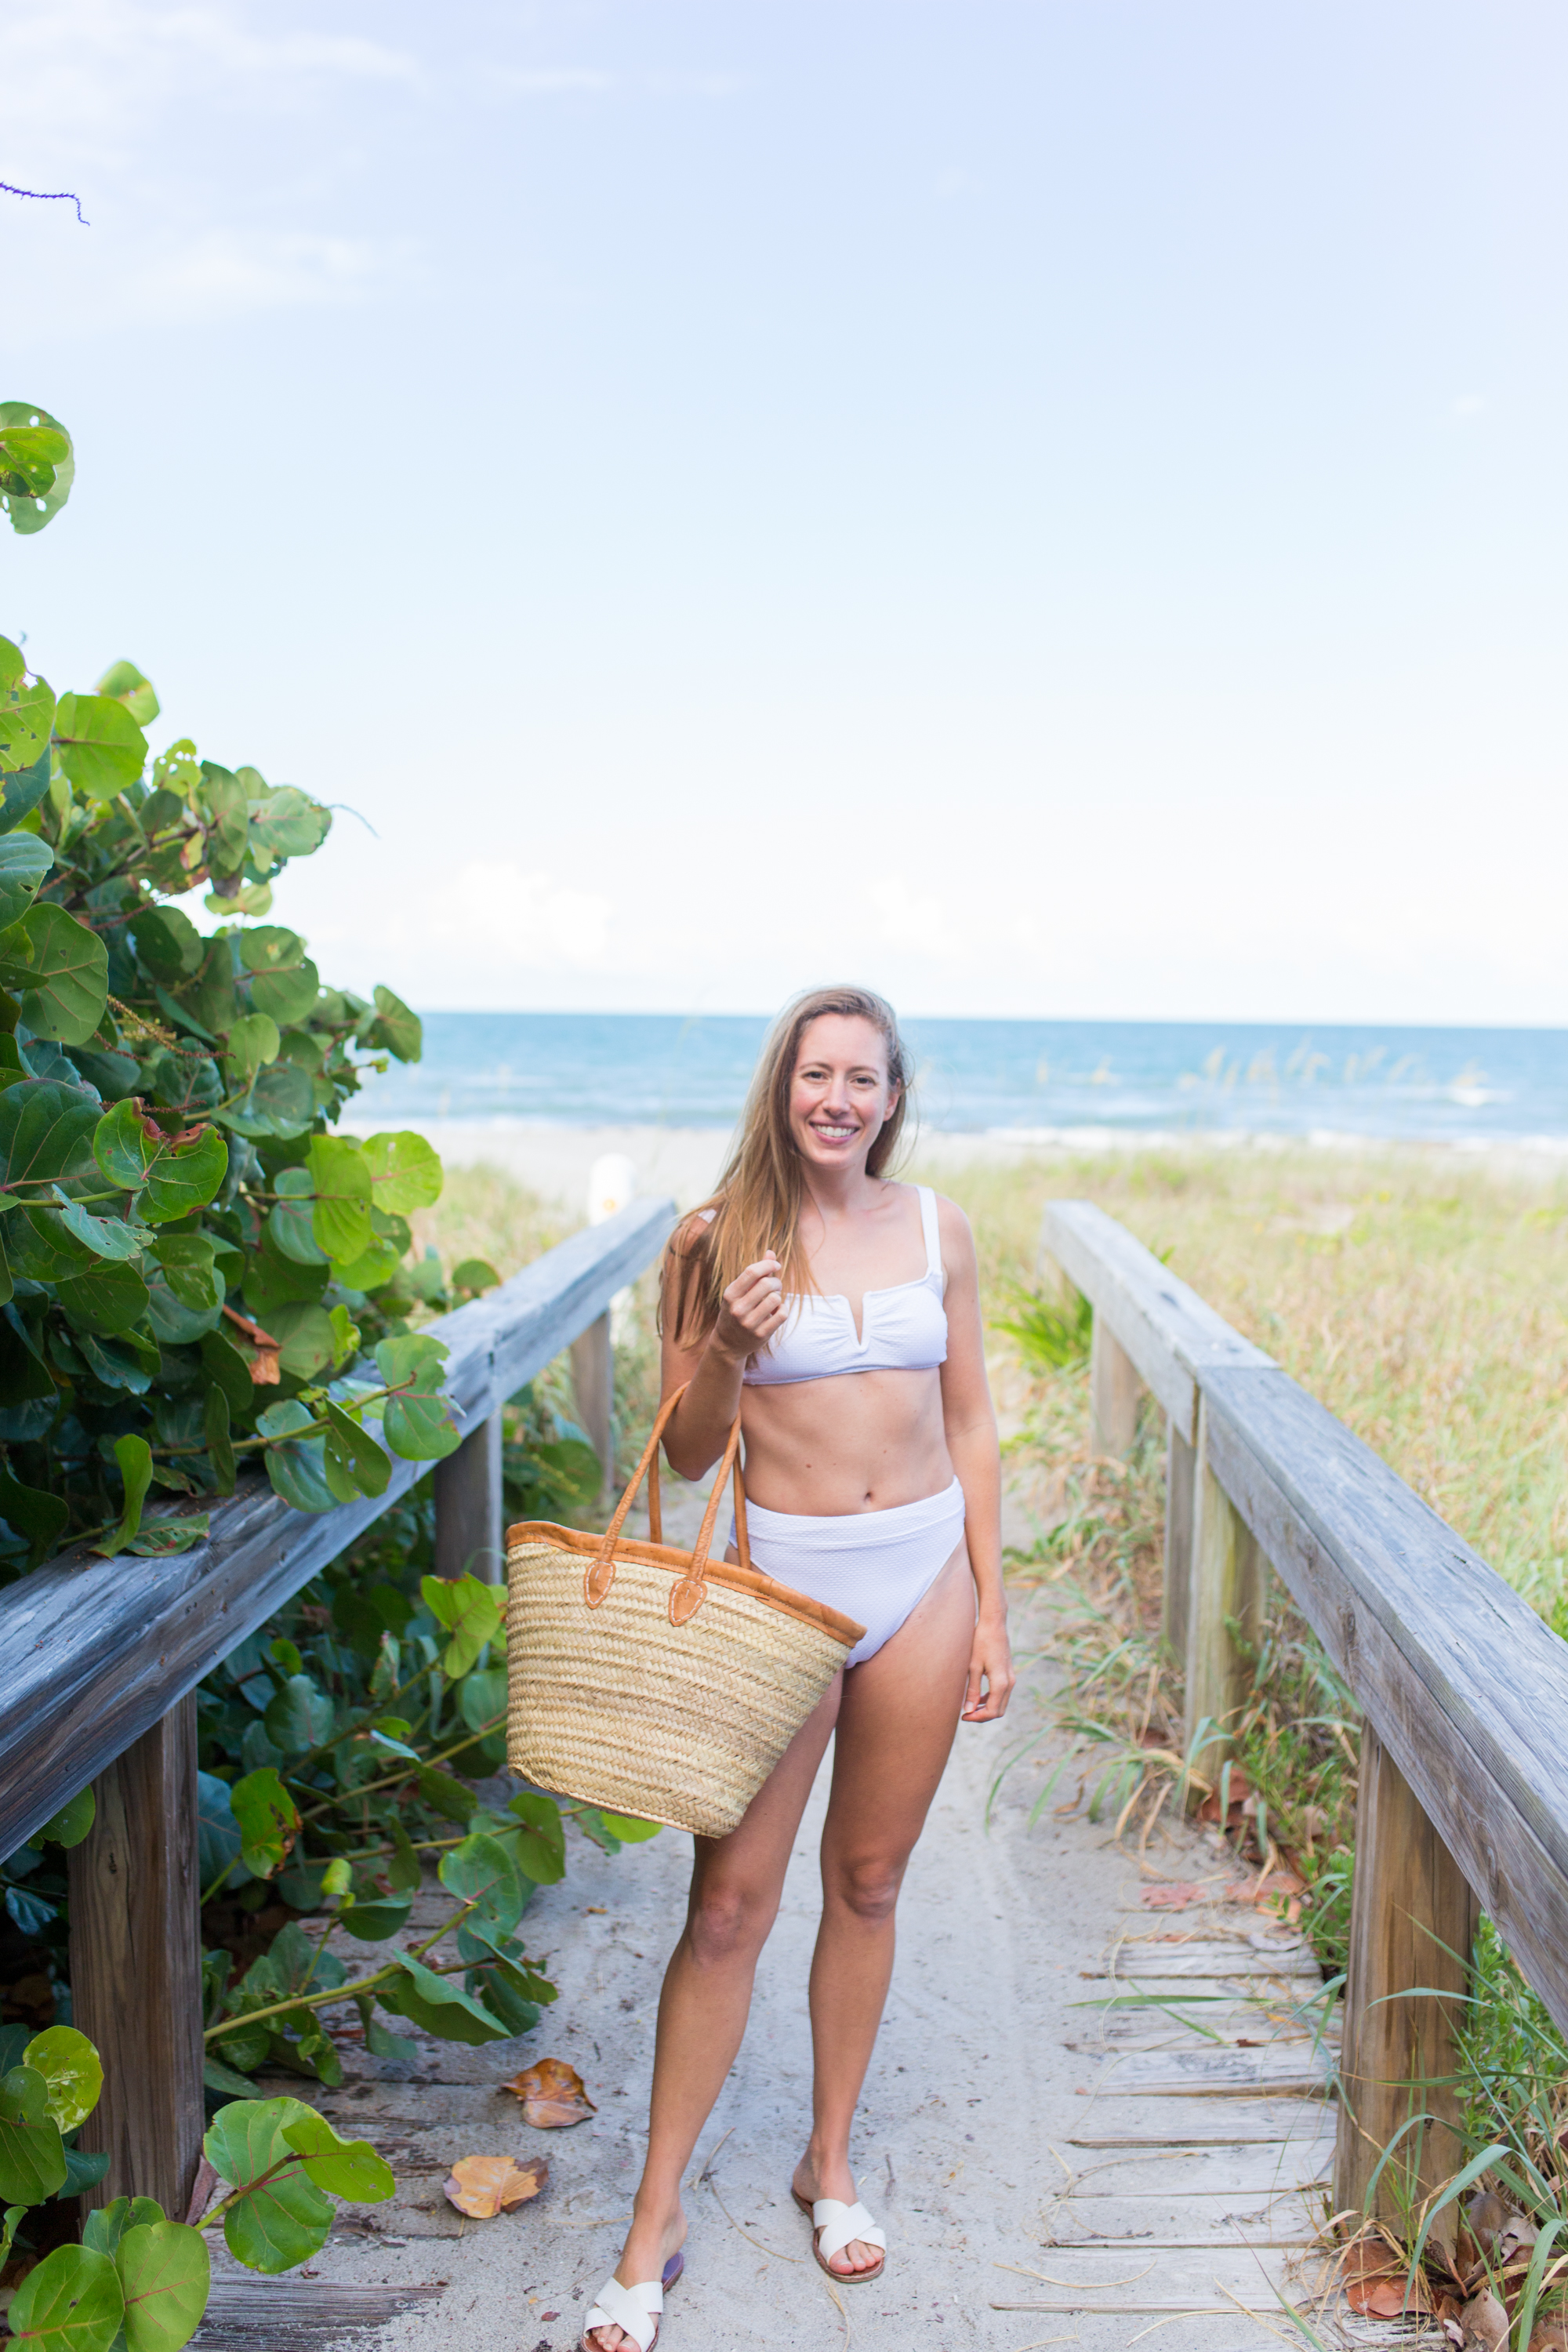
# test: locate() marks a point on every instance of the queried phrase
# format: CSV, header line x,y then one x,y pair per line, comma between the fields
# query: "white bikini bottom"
x,y
875,1565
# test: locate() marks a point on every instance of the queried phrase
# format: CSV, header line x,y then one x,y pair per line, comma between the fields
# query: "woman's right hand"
x,y
751,1309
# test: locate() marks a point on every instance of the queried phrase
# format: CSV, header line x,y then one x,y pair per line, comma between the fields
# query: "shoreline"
x,y
555,1159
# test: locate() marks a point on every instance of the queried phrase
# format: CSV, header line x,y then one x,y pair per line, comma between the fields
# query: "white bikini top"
x,y
904,1326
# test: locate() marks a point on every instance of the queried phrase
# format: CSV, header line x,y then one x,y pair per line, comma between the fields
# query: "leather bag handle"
x,y
691,1591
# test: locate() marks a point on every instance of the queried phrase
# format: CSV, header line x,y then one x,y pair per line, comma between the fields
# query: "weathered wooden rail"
x,y
100,1661
1463,1786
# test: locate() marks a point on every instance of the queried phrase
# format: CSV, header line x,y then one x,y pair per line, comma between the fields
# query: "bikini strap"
x,y
929,1227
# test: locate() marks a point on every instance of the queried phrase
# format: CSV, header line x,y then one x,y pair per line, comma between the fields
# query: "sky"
x,y
1049,507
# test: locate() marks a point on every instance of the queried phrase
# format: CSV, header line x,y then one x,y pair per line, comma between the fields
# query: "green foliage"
x,y
1050,1336
37,465
176,1218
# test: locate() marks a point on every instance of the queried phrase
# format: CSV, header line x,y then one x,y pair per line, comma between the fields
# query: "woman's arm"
x,y
970,1425
753,1309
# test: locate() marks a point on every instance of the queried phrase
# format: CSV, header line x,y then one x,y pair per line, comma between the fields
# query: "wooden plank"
x,y
1465,1685
1260,2121
93,1652
136,1964
1173,2219
1117,2279
1412,1922
1226,1590
263,2315
1113,1393
1181,1504
1235,2170
1211,1957
468,1506
594,1378
1213,2074
1168,1331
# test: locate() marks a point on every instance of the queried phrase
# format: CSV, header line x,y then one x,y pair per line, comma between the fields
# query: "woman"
x,y
839,1312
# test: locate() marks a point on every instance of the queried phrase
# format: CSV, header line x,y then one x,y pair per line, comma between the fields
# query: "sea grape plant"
x,y
140,2280
195,1270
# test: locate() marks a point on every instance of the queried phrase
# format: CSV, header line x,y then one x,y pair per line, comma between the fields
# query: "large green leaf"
x,y
123,682
134,1456
105,1296
415,1423
190,1269
223,800
30,508
279,2220
61,970
290,1221
252,1044
46,1132
70,2068
32,2158
354,1462
539,1843
102,748
299,1717
287,997
296,1467
348,2167
395,1030
480,1871
437,2003
125,1144
287,823
217,1832
280,1101
405,1172
268,1820
309,1343
341,1223
26,711
165,2274
471,1613
72,2302
72,1823
21,790
104,1236
104,2228
185,1178
270,947
24,862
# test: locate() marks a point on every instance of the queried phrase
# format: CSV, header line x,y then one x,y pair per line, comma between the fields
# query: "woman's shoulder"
x,y
691,1234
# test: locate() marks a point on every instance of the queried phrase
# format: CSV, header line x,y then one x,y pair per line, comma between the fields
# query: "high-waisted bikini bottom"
x,y
876,1565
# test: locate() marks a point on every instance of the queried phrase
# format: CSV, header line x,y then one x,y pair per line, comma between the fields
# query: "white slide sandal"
x,y
833,2226
636,2309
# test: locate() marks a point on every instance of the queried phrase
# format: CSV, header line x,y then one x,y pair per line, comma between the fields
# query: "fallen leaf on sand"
x,y
1485,2323
484,2186
1551,2336
1375,2282
1280,1882
551,2095
1173,1894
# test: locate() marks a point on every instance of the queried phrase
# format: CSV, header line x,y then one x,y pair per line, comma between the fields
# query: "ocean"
x,y
1013,1078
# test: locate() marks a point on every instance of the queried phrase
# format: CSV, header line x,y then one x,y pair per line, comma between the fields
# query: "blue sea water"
x,y
986,1076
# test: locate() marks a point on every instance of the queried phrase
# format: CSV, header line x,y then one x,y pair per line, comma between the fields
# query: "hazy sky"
x,y
1054,508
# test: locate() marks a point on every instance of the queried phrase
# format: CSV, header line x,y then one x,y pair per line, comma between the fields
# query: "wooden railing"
x,y
1462,1791
100,1661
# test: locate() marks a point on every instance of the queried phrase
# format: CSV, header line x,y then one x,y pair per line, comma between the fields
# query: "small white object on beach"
x,y
612,1182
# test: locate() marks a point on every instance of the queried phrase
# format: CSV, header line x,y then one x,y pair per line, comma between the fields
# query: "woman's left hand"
x,y
991,1659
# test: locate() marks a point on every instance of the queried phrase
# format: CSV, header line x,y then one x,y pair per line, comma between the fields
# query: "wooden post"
x,y
136,1965
594,1377
1181,1465
1412,1922
467,1507
1113,1391
1227,1583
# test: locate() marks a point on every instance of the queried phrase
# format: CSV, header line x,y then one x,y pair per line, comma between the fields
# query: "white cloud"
x,y
907,919
549,81
230,271
1468,404
500,915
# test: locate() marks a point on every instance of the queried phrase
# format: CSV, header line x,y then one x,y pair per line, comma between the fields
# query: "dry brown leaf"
x,y
1551,2336
1486,2214
1173,1894
1374,2282
552,2094
1485,2323
484,2186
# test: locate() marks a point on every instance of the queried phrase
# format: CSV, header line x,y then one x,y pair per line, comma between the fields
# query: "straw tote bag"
x,y
657,1682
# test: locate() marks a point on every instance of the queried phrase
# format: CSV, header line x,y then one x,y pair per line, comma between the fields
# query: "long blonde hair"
x,y
758,1201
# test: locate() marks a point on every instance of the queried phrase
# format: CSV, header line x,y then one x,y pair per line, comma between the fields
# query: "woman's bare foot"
x,y
824,2177
650,2241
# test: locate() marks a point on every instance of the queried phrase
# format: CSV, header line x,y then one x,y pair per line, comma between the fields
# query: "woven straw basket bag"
x,y
656,1682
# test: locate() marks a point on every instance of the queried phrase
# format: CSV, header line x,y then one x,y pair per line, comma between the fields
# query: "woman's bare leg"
x,y
736,1883
896,1725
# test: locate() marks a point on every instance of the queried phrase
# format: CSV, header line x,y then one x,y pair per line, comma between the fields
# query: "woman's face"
x,y
840,1093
